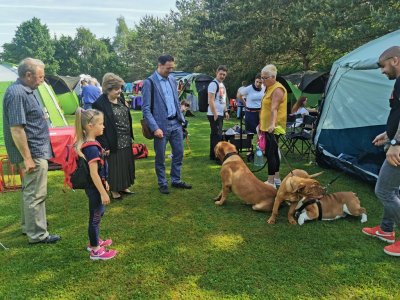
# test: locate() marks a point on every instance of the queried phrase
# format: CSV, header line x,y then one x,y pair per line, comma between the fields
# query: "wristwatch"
x,y
394,142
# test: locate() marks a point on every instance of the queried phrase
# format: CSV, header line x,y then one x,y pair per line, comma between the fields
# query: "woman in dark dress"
x,y
118,135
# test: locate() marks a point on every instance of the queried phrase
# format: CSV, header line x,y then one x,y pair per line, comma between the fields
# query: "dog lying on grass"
x,y
295,186
332,206
237,177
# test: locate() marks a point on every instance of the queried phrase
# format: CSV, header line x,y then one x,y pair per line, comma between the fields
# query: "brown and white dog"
x,y
237,177
333,206
297,185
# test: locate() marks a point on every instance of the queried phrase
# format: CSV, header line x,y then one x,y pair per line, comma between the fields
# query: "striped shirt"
x,y
21,107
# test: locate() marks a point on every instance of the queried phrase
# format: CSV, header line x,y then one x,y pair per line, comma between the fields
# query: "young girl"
x,y
89,125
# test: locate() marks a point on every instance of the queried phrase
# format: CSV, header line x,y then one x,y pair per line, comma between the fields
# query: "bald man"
x,y
387,186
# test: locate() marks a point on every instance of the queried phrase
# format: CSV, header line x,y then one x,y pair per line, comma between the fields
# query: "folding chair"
x,y
291,130
305,136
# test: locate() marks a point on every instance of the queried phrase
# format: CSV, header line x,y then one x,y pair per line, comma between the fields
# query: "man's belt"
x,y
172,117
253,109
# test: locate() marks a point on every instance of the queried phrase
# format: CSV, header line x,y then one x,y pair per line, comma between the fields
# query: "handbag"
x,y
261,142
145,127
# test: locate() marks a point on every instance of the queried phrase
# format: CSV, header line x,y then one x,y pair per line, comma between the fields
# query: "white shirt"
x,y
220,98
253,97
301,111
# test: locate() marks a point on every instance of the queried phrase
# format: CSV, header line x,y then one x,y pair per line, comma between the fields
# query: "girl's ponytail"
x,y
79,132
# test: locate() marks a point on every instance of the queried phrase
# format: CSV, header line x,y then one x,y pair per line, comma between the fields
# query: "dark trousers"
x,y
216,133
251,120
387,190
272,153
96,211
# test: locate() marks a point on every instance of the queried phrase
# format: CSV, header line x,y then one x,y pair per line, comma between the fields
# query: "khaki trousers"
x,y
34,192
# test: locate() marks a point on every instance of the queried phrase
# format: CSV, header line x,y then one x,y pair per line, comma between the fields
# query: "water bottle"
x,y
258,158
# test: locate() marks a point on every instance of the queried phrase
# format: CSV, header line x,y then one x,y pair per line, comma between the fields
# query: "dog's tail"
x,y
316,174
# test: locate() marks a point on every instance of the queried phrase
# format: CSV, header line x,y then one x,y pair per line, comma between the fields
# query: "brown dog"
x,y
333,206
295,186
237,177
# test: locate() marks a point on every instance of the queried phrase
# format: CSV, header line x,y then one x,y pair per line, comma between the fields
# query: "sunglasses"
x,y
265,78
380,65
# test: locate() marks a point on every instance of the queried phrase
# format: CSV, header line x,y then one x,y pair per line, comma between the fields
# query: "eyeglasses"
x,y
265,78
380,65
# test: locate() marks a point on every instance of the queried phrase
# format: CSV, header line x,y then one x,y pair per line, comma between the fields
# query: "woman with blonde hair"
x,y
118,135
273,116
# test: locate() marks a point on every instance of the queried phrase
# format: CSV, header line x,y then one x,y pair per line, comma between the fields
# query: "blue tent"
x,y
355,110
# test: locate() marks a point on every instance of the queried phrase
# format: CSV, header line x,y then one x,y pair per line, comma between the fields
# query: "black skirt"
x,y
121,169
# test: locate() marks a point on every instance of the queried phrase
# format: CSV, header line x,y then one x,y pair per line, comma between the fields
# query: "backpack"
x,y
139,151
76,169
216,91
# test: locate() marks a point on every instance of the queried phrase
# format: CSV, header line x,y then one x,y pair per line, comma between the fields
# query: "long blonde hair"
x,y
82,119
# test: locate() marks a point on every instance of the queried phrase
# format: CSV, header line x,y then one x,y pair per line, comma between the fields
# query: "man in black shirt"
x,y
387,186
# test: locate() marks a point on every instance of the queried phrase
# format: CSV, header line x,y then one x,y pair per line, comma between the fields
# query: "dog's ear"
x,y
217,150
294,184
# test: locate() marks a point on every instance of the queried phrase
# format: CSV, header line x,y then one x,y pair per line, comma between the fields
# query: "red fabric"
x,y
139,151
62,141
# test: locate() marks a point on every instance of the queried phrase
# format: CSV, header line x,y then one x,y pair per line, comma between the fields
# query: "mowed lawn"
x,y
182,246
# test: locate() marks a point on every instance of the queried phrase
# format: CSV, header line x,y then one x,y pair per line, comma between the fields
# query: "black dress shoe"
x,y
51,238
163,189
181,185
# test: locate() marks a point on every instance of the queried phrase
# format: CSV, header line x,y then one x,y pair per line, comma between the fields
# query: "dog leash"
x,y
283,155
333,180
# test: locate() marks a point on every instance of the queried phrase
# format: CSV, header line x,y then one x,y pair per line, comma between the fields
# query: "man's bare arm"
x,y
21,142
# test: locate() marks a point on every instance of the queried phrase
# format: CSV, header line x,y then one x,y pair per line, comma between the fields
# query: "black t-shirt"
x,y
394,116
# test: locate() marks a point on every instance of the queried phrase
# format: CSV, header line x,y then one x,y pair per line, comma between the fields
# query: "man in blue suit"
x,y
165,121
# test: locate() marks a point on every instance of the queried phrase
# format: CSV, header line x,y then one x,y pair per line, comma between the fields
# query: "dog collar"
x,y
307,203
229,155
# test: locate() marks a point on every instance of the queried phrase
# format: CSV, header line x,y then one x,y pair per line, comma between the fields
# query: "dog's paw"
x,y
271,221
300,221
219,203
292,221
364,218
217,198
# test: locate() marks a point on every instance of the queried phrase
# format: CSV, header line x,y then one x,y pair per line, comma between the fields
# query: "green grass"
x,y
182,246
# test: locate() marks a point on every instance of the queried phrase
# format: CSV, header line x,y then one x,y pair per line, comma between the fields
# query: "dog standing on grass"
x,y
297,185
237,178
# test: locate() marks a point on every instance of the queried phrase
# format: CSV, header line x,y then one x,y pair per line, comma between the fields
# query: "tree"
x,y
92,54
32,39
66,56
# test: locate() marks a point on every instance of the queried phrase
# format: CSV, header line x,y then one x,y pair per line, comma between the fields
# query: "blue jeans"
x,y
387,190
251,121
96,212
174,137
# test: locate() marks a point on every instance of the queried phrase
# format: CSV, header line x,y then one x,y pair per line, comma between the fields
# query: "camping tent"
x,y
64,87
307,83
195,91
44,94
355,110
293,91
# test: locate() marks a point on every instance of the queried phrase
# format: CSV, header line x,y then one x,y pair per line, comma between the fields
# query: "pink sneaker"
x,y
102,243
102,254
393,250
378,233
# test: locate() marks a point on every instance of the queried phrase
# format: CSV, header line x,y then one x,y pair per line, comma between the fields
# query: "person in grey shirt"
x,y
27,141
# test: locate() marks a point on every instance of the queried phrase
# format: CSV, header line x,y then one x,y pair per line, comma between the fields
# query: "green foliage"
x,y
295,35
183,246
32,39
